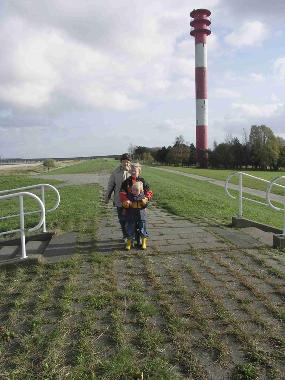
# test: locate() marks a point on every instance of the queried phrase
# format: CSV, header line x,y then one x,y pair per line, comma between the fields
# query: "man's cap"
x,y
125,156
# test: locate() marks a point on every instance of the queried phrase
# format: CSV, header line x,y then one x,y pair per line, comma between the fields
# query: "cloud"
x,y
92,55
279,68
226,93
176,126
267,10
258,111
249,34
257,77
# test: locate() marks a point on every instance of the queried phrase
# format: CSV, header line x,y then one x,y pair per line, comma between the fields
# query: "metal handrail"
x,y
240,185
21,195
273,182
40,186
267,196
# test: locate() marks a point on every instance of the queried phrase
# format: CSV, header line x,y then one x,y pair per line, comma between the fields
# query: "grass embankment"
x,y
196,199
180,195
222,175
88,166
78,208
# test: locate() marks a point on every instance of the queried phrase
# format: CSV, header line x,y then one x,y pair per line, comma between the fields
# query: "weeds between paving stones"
x,y
175,328
269,332
254,352
210,337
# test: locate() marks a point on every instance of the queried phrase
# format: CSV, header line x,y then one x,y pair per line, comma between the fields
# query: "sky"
x,y
92,77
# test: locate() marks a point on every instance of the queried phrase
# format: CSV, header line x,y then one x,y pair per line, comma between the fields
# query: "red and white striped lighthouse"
x,y
200,31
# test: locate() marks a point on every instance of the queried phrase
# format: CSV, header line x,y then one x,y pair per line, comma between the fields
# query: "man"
x,y
120,174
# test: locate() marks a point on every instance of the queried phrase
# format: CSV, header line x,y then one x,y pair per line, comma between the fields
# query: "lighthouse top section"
x,y
200,24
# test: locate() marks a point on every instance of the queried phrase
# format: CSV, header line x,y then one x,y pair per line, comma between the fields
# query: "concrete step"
x,y
60,247
35,247
8,252
11,253
264,237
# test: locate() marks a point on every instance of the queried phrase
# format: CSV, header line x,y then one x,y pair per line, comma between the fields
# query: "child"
x,y
135,214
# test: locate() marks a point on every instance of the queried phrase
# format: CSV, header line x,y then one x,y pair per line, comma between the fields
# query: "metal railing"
x,y
241,197
41,187
22,214
273,183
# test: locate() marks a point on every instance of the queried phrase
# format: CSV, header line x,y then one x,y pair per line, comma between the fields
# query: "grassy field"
x,y
78,208
89,166
199,200
180,195
247,181
202,314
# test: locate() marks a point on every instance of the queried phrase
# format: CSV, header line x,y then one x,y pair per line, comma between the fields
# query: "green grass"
x,y
89,166
194,199
15,181
78,210
222,175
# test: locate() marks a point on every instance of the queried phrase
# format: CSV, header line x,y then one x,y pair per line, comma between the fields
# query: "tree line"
x,y
260,150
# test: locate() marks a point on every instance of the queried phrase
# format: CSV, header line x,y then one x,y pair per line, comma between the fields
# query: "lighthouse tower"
x,y
200,30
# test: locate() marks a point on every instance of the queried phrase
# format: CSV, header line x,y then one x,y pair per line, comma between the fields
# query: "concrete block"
x,y
8,251
35,247
243,222
279,241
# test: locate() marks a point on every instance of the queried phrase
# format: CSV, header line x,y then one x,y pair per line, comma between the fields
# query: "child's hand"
x,y
144,201
126,204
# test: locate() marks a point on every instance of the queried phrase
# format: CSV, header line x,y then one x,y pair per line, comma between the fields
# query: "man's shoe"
x,y
144,243
128,244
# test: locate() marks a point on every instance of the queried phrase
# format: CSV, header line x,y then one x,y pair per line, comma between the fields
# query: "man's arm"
x,y
110,187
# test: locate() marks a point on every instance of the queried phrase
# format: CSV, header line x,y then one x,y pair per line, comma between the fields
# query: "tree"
x,y
192,155
147,158
49,163
264,147
281,158
237,153
180,152
139,152
161,154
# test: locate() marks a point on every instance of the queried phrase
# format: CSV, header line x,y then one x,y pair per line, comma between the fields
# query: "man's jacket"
x,y
116,179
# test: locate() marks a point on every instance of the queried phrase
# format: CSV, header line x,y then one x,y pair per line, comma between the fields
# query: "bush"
x,y
49,163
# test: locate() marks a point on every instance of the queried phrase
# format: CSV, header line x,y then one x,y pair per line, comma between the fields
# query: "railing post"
x,y
22,226
240,211
284,218
43,200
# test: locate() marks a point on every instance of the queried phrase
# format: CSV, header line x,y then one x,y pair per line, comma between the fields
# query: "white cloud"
x,y
257,77
249,34
258,111
279,67
226,93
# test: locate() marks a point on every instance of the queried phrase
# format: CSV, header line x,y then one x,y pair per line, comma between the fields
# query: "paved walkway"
x,y
168,233
259,193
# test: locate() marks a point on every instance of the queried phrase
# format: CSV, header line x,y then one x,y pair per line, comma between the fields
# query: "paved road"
x,y
259,193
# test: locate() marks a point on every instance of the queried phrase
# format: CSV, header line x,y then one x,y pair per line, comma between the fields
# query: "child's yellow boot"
x,y
128,244
144,243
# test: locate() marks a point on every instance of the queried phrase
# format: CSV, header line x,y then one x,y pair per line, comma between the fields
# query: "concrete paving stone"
x,y
35,247
61,245
265,237
173,248
236,237
177,241
202,245
8,252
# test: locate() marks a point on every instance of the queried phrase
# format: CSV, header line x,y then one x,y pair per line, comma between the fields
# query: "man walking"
x,y
119,175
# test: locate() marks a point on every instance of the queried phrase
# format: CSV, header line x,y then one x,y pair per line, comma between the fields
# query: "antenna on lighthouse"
x,y
200,30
